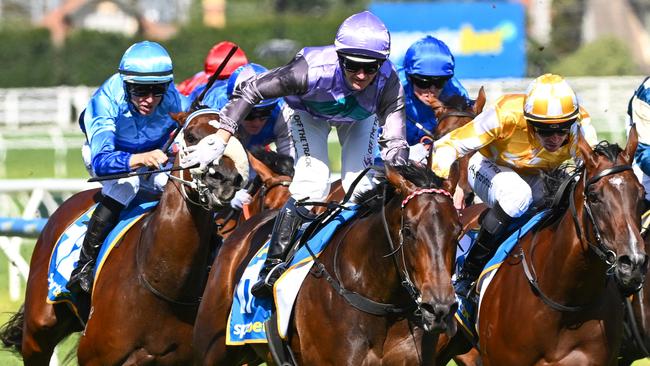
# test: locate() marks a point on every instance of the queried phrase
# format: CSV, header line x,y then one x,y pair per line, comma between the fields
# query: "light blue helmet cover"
x,y
429,56
146,63
363,34
246,72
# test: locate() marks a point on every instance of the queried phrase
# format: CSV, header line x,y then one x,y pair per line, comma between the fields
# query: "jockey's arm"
x,y
471,137
392,118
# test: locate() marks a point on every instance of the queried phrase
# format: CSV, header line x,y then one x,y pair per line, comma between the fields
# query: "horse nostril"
x,y
635,261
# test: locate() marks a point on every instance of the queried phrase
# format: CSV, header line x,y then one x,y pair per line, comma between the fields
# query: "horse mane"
x,y
608,150
457,102
415,173
278,163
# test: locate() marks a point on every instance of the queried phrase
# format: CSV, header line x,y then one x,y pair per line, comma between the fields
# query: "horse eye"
x,y
593,197
407,233
191,139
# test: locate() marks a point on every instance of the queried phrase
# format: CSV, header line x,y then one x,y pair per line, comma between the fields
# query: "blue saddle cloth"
x,y
467,312
65,253
248,313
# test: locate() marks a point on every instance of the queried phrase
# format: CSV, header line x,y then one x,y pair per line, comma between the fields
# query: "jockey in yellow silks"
x,y
516,139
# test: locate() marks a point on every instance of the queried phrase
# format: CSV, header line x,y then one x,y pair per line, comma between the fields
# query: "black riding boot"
x,y
494,224
101,222
285,227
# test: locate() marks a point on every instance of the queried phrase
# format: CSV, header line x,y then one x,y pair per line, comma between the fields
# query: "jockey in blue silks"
x,y
126,123
428,71
267,122
639,113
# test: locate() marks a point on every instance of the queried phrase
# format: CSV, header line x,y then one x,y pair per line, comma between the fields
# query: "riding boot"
x,y
285,227
101,222
493,226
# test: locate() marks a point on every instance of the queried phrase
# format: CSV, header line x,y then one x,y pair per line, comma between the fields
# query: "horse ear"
x,y
401,184
451,182
260,168
586,152
479,103
632,141
179,117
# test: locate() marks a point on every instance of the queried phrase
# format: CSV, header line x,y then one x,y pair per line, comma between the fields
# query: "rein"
x,y
606,255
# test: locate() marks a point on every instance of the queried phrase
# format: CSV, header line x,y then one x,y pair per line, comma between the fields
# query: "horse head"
x,y
612,204
456,112
274,174
427,226
217,186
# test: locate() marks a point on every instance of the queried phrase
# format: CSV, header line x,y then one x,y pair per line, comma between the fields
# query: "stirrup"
x,y
264,286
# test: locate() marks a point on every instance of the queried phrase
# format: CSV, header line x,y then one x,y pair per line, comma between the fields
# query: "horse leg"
x,y
447,348
42,331
471,358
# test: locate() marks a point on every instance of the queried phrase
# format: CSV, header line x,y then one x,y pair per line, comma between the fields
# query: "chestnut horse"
x,y
145,300
558,299
398,250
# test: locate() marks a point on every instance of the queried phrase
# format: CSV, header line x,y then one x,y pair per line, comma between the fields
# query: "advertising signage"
x,y
487,38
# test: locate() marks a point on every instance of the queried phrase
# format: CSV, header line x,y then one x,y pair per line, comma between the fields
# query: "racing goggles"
x,y
143,90
260,112
426,82
354,64
548,132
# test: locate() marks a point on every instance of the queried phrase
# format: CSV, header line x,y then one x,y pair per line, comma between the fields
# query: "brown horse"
x,y
145,300
410,238
636,341
269,189
566,280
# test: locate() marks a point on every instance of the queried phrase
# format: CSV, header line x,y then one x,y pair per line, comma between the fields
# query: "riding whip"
x,y
133,174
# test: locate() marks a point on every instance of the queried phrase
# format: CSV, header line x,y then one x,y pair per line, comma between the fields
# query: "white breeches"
x,y
358,141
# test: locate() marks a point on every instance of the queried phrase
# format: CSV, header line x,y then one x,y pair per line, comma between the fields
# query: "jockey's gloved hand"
x,y
241,198
208,150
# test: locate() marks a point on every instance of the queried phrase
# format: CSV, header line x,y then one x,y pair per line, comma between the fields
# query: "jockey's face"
x,y
552,141
427,88
146,97
254,126
359,71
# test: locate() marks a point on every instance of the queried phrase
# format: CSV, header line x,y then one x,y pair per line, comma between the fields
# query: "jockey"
x,y
126,123
350,85
428,73
639,113
264,124
520,136
193,86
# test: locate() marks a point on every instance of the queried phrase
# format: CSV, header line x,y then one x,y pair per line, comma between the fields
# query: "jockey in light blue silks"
x,y
126,123
639,113
428,71
267,122
350,85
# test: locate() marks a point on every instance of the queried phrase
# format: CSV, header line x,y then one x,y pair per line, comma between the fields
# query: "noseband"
x,y
599,248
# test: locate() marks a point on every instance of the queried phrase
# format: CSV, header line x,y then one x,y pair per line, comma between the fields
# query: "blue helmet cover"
x,y
429,56
146,63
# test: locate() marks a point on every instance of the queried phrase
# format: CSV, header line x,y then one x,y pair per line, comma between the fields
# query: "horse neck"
x,y
571,270
361,259
176,239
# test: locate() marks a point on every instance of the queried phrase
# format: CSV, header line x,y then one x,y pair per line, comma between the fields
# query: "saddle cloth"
x,y
65,253
248,313
467,314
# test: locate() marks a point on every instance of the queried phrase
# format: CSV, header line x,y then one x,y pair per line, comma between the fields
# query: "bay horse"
x,y
144,302
269,189
566,280
399,250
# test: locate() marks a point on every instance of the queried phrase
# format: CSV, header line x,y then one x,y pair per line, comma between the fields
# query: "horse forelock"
x,y
608,150
415,173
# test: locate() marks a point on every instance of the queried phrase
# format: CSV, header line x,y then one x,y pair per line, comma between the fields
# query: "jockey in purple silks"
x,y
351,86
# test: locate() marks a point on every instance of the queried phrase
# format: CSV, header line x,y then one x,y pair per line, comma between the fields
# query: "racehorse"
x,y
636,336
145,300
269,189
566,280
397,253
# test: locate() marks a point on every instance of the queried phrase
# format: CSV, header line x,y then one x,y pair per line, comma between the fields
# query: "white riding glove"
x,y
241,198
208,150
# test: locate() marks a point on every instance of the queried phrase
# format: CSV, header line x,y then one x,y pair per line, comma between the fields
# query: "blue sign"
x,y
486,38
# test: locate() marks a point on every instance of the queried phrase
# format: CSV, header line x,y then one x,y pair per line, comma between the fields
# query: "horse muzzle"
x,y
631,271
438,317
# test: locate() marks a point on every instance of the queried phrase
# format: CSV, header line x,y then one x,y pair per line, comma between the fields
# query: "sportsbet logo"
x,y
242,329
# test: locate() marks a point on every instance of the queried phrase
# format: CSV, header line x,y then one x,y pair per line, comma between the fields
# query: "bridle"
x,y
605,254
